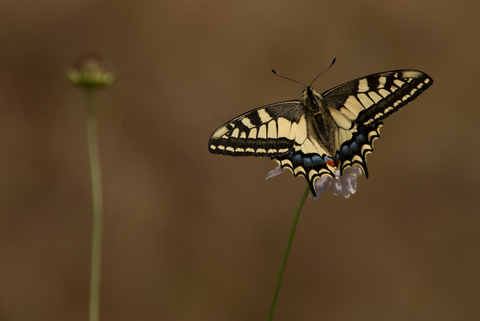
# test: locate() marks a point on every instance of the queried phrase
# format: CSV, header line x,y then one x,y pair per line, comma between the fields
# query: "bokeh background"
x,y
194,236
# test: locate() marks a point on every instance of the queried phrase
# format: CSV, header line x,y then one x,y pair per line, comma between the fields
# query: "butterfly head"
x,y
311,99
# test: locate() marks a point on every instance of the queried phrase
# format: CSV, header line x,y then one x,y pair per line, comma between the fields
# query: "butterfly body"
x,y
321,125
321,133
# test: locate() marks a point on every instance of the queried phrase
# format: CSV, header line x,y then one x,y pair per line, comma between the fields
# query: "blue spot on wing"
x,y
360,138
317,160
353,147
344,151
307,162
296,158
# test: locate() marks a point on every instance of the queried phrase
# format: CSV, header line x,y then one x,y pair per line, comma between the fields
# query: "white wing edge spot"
x,y
372,133
299,170
311,174
286,162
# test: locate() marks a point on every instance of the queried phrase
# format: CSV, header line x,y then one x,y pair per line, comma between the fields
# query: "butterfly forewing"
x,y
263,132
375,97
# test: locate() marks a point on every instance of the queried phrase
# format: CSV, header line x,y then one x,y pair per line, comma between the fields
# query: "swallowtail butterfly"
x,y
322,132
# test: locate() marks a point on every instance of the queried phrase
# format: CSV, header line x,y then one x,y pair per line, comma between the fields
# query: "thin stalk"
x,y
287,252
97,201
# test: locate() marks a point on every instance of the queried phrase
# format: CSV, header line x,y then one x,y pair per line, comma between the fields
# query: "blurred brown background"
x,y
194,236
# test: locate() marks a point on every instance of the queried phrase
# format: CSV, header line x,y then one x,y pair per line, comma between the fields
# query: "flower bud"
x,y
90,72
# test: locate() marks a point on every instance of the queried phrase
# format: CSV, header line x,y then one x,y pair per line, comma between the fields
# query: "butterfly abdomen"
x,y
321,126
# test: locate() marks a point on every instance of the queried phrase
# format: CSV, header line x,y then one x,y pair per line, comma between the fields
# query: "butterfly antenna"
x,y
288,78
334,59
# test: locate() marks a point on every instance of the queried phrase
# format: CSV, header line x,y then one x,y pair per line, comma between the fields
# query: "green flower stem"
x,y
287,252
97,207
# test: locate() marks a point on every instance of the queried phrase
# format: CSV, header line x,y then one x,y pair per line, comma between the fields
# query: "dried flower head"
x,y
90,71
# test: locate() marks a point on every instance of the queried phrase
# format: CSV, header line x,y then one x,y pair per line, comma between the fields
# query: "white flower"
x,y
345,184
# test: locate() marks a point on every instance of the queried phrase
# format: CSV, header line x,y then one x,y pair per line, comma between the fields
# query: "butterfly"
x,y
321,133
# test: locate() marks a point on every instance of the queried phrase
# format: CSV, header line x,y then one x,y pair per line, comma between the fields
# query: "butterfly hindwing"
x,y
263,132
313,165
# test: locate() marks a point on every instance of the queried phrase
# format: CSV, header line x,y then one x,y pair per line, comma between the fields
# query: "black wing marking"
x,y
263,132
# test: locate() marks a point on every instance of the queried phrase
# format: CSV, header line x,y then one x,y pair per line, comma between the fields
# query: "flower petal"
x,y
277,171
345,184
321,185
336,184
